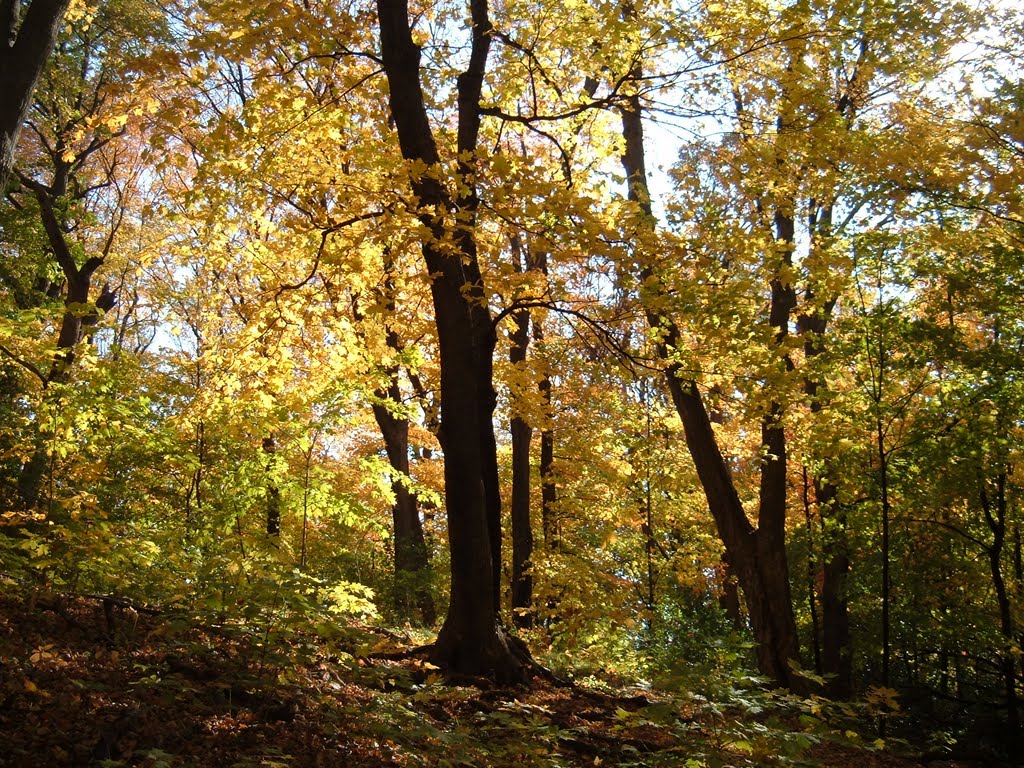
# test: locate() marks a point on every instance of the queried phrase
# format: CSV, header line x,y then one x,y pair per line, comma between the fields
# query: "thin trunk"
x,y
1018,561
837,659
273,500
757,555
78,321
836,656
412,563
522,436
812,571
522,535
73,325
522,532
200,464
882,455
1018,582
995,516
303,550
883,483
729,600
548,489
30,478
648,508
648,529
411,555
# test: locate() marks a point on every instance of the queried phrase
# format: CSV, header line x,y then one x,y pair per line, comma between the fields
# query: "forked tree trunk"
x,y
471,640
79,320
756,555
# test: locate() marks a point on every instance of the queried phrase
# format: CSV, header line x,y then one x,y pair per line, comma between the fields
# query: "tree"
x,y
79,174
757,555
27,42
471,639
522,432
410,549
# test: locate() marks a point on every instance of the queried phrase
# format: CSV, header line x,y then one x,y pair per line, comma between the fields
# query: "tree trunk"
x,y
548,489
522,532
837,657
24,51
812,570
78,315
995,516
412,563
78,322
470,640
758,556
273,499
411,557
729,600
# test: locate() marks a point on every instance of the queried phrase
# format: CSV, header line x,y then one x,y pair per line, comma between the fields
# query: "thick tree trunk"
x,y
470,640
24,50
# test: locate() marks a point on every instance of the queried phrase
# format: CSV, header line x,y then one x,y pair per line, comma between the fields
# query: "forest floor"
x,y
89,681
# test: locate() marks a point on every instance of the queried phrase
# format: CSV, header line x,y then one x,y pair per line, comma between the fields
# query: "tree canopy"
x,y
648,339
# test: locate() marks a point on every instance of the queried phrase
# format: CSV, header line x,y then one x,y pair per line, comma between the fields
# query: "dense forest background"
x,y
648,340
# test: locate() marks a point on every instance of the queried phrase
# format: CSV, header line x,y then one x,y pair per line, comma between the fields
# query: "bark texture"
x,y
28,41
471,640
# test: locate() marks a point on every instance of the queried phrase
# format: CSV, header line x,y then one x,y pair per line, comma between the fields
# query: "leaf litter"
x,y
92,681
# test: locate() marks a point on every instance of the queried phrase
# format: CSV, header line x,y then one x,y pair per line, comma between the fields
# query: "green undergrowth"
x,y
97,681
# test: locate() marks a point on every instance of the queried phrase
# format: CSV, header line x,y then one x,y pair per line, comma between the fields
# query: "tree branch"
x,y
26,365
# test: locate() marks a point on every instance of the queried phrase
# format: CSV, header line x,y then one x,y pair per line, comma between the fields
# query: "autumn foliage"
x,y
645,340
